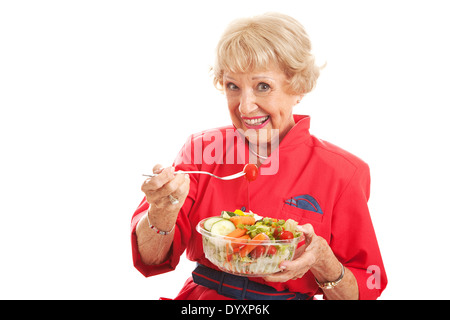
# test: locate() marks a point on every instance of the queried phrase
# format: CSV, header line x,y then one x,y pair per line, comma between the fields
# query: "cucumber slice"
x,y
208,223
222,227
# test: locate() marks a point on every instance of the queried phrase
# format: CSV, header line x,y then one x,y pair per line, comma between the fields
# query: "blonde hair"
x,y
253,43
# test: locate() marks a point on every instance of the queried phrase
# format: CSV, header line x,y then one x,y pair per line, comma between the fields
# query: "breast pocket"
x,y
302,216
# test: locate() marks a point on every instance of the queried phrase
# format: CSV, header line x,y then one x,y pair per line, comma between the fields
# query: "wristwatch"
x,y
331,284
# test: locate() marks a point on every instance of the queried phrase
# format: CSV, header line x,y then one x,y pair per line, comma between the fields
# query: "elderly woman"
x,y
265,67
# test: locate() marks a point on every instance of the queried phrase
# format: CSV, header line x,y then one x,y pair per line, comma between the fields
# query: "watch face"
x,y
331,284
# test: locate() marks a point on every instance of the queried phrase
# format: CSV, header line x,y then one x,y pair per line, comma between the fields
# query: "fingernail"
x,y
186,176
282,267
172,169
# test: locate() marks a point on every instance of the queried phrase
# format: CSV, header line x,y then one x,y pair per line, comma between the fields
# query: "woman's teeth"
x,y
256,122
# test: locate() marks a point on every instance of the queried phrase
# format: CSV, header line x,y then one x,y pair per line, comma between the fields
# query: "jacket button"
x,y
243,209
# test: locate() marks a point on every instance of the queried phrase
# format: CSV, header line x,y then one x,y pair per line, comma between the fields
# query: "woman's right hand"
x,y
161,191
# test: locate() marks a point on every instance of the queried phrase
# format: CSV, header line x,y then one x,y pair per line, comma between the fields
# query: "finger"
x,y
157,168
183,190
308,232
289,271
303,262
297,268
307,229
154,183
170,188
181,193
299,251
278,277
176,198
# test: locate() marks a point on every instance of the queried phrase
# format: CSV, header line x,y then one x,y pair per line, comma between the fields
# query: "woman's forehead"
x,y
271,71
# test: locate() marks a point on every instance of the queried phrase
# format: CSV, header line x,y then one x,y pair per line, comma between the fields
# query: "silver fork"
x,y
231,177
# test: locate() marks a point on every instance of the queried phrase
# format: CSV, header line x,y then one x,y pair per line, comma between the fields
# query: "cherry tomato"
x,y
272,250
251,172
277,231
257,252
286,235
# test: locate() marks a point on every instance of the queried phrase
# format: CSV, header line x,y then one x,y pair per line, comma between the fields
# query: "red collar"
x,y
299,132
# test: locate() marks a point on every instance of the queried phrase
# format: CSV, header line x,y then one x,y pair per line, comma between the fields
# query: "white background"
x,y
94,93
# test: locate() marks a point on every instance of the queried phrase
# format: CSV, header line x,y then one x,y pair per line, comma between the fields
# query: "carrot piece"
x,y
251,245
236,233
228,254
238,243
245,220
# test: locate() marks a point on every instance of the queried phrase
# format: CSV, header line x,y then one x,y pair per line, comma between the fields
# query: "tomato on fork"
x,y
251,172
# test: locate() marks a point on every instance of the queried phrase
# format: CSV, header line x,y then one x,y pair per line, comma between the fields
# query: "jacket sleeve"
x,y
182,232
353,238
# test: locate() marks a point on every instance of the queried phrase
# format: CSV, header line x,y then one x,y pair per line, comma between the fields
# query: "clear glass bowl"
x,y
226,253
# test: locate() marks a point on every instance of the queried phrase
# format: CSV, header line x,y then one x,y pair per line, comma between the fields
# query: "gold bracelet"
x,y
331,284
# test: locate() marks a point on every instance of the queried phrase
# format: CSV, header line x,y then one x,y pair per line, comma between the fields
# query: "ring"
x,y
173,200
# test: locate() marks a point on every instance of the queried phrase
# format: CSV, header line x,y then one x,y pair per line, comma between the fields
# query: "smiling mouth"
x,y
255,121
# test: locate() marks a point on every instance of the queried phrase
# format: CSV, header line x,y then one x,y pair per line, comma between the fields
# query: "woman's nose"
x,y
247,103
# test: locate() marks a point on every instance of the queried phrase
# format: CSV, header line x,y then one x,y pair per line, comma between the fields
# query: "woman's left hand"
x,y
315,255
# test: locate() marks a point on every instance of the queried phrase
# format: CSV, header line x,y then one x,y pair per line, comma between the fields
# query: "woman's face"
x,y
260,104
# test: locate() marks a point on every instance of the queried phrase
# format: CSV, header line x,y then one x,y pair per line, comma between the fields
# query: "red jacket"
x,y
314,182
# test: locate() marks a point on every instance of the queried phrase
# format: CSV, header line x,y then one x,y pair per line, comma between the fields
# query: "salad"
x,y
246,244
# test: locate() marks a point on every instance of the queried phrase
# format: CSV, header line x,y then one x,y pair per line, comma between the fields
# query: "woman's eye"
x,y
263,87
232,86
